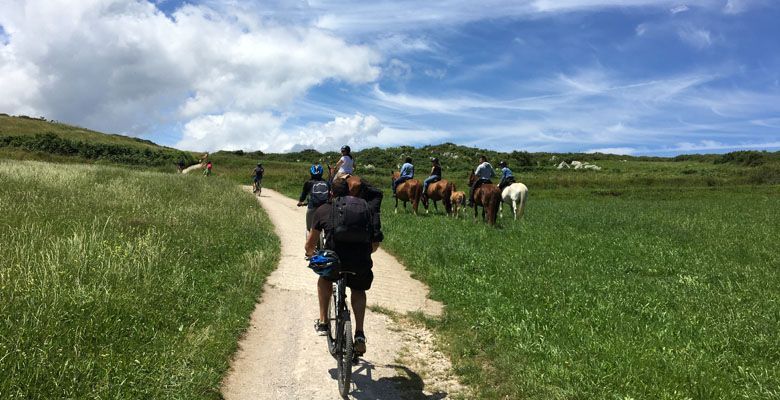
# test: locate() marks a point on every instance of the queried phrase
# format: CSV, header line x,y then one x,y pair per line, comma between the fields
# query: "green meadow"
x,y
650,279
646,280
124,284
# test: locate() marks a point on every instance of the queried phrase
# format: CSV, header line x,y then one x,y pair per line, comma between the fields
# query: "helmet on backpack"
x,y
325,263
316,170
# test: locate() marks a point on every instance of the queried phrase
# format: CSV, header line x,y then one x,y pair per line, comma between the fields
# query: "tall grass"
x,y
123,284
648,293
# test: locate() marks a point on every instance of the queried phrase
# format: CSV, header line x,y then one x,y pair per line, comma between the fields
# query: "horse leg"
x,y
435,207
501,210
514,209
395,211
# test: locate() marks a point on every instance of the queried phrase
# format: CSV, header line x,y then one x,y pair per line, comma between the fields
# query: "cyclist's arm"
x,y
304,192
311,242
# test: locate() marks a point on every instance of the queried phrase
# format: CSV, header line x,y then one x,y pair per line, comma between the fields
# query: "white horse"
x,y
515,194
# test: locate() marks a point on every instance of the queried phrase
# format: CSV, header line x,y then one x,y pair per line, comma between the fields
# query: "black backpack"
x,y
351,220
319,193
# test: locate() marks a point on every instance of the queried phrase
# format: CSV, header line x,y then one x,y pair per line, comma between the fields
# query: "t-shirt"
x,y
485,171
436,170
407,170
307,190
259,171
353,256
506,173
347,165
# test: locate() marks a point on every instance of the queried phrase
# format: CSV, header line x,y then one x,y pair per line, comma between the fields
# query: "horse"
x,y
440,190
458,201
409,191
488,196
354,183
515,194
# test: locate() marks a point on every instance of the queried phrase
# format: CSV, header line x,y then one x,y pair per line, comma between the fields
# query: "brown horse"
x,y
354,183
458,200
439,191
488,196
409,191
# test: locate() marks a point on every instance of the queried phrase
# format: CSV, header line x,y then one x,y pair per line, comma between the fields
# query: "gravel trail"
x,y
280,356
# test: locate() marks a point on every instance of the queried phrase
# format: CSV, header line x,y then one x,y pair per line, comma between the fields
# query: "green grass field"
x,y
122,284
608,288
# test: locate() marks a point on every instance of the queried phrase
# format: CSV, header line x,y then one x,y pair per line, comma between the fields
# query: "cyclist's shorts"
x,y
259,179
361,281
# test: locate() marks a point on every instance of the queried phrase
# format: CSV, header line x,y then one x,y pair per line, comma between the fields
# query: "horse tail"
x,y
447,200
523,199
492,208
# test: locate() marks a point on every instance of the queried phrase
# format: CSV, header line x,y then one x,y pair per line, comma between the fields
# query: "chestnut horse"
x,y
488,196
353,182
458,201
409,191
440,190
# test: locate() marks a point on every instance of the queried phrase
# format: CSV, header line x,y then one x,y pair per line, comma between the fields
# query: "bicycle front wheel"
x,y
332,325
345,358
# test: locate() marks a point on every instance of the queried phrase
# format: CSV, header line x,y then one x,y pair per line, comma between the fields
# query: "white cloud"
x,y
679,9
134,68
614,150
266,132
699,38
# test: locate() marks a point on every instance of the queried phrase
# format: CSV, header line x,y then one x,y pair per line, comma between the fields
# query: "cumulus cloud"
x,y
126,66
614,150
266,132
679,9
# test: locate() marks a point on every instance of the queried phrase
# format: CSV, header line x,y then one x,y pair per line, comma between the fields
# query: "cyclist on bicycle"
x,y
318,191
258,176
355,256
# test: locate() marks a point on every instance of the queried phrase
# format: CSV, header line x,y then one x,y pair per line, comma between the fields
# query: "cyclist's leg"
x,y
309,217
358,298
324,291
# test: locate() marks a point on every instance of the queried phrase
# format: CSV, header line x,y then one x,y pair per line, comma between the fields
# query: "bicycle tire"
x,y
332,325
345,358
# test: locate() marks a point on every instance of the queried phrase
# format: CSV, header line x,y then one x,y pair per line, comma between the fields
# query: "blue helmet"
x,y
316,169
325,263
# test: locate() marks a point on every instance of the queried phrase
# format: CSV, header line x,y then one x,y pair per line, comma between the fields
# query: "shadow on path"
x,y
409,387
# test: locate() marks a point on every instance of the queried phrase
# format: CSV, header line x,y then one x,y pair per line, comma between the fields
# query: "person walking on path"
x,y
364,235
207,171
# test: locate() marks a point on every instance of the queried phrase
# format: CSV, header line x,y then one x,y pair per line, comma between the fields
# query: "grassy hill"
x,y
34,138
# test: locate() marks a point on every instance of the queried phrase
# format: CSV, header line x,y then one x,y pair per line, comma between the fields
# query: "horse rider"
x,y
407,172
318,191
346,164
354,256
483,172
435,176
507,178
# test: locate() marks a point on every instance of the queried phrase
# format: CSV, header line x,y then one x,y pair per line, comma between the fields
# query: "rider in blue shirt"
x,y
407,172
507,178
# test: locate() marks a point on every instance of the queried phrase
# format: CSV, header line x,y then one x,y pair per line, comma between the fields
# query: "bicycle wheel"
x,y
345,358
332,324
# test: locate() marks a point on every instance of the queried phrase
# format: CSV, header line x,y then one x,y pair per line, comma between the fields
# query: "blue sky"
x,y
619,76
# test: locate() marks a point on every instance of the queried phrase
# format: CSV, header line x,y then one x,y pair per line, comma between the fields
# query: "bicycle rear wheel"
x,y
344,363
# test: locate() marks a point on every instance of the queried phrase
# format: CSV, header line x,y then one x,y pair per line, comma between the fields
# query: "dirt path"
x,y
281,357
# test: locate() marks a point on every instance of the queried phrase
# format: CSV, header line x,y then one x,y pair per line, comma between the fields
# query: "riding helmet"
x,y
346,148
502,164
434,160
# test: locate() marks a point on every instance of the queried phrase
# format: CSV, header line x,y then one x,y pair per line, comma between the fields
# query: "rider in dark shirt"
x,y
318,191
435,176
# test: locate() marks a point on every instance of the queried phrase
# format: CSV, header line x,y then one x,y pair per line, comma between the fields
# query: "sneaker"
x,y
320,327
360,343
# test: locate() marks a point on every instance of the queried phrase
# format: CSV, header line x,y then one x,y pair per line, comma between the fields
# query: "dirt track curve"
x,y
280,356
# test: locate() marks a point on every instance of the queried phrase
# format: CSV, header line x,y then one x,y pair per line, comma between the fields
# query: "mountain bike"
x,y
257,187
339,335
